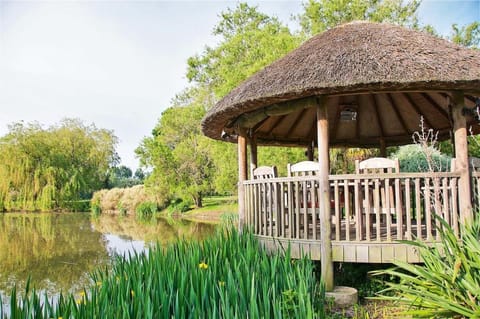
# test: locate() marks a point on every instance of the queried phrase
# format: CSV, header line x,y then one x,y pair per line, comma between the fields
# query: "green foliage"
x,y
78,205
48,168
447,284
468,35
227,276
146,210
413,158
122,177
95,209
179,206
321,15
249,40
179,155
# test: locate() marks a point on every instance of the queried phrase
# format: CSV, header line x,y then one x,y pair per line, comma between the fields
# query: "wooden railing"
x,y
364,208
476,192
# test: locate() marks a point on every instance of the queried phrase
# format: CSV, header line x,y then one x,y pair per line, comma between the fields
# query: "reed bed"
x,y
225,276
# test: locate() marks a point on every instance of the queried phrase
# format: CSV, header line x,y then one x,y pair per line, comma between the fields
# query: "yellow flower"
x,y
132,292
82,293
99,283
221,283
203,265
79,301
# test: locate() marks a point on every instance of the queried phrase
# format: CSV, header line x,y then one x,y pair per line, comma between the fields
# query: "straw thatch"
x,y
388,75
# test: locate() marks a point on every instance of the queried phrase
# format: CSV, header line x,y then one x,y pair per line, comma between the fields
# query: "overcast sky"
x,y
118,64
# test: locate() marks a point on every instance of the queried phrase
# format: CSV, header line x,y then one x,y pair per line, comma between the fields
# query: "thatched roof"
x,y
388,75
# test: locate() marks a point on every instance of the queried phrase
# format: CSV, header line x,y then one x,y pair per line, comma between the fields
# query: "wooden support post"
x,y
383,148
242,175
324,190
253,154
461,157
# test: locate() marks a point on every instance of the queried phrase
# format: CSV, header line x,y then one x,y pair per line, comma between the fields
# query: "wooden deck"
x,y
370,214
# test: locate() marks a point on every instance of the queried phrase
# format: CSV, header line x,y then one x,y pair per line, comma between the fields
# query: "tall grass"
x,y
226,276
447,285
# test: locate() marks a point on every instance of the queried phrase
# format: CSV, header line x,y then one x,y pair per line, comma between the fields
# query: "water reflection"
x,y
58,251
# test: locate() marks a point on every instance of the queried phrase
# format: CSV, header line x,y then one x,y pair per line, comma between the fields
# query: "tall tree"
x,y
42,169
178,154
249,40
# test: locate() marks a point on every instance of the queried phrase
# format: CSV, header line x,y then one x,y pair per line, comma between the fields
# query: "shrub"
x,y
78,205
179,206
448,282
123,200
412,158
145,210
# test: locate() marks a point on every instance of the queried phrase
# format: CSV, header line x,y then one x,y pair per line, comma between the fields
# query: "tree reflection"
x,y
162,230
57,251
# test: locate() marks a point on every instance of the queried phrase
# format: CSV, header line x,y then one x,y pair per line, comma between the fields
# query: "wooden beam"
x,y
417,109
242,175
248,120
436,106
296,122
397,112
324,194
461,157
377,116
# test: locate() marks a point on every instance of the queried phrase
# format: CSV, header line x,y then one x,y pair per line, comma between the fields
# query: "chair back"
x,y
377,165
304,168
473,164
264,172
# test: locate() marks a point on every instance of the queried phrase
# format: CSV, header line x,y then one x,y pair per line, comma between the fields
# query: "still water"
x,y
58,251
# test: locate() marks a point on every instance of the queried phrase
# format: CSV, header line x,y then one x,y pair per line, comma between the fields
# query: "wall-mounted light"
x,y
348,113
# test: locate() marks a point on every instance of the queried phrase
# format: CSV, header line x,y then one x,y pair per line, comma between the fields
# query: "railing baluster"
x,y
297,211
376,199
336,204
418,209
446,201
387,210
438,206
428,212
455,208
367,209
408,210
347,209
358,215
398,209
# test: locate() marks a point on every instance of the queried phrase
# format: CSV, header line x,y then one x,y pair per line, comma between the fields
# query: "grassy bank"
x,y
215,209
226,276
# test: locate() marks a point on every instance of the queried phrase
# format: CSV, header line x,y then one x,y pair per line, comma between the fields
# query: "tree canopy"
x,y
46,168
321,15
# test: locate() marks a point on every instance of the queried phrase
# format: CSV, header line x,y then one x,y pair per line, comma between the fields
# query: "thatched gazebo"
x,y
360,84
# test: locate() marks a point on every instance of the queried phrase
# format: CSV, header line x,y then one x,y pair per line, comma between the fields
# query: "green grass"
x,y
217,203
226,276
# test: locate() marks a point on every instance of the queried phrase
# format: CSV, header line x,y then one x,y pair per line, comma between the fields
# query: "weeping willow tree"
x,y
47,168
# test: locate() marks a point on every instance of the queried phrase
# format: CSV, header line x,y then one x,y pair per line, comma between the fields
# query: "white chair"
x,y
305,168
386,197
264,172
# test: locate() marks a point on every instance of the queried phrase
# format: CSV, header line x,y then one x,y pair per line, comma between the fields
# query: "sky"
x,y
118,64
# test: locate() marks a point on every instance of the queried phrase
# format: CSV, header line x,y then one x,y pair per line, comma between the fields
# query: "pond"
x,y
59,251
